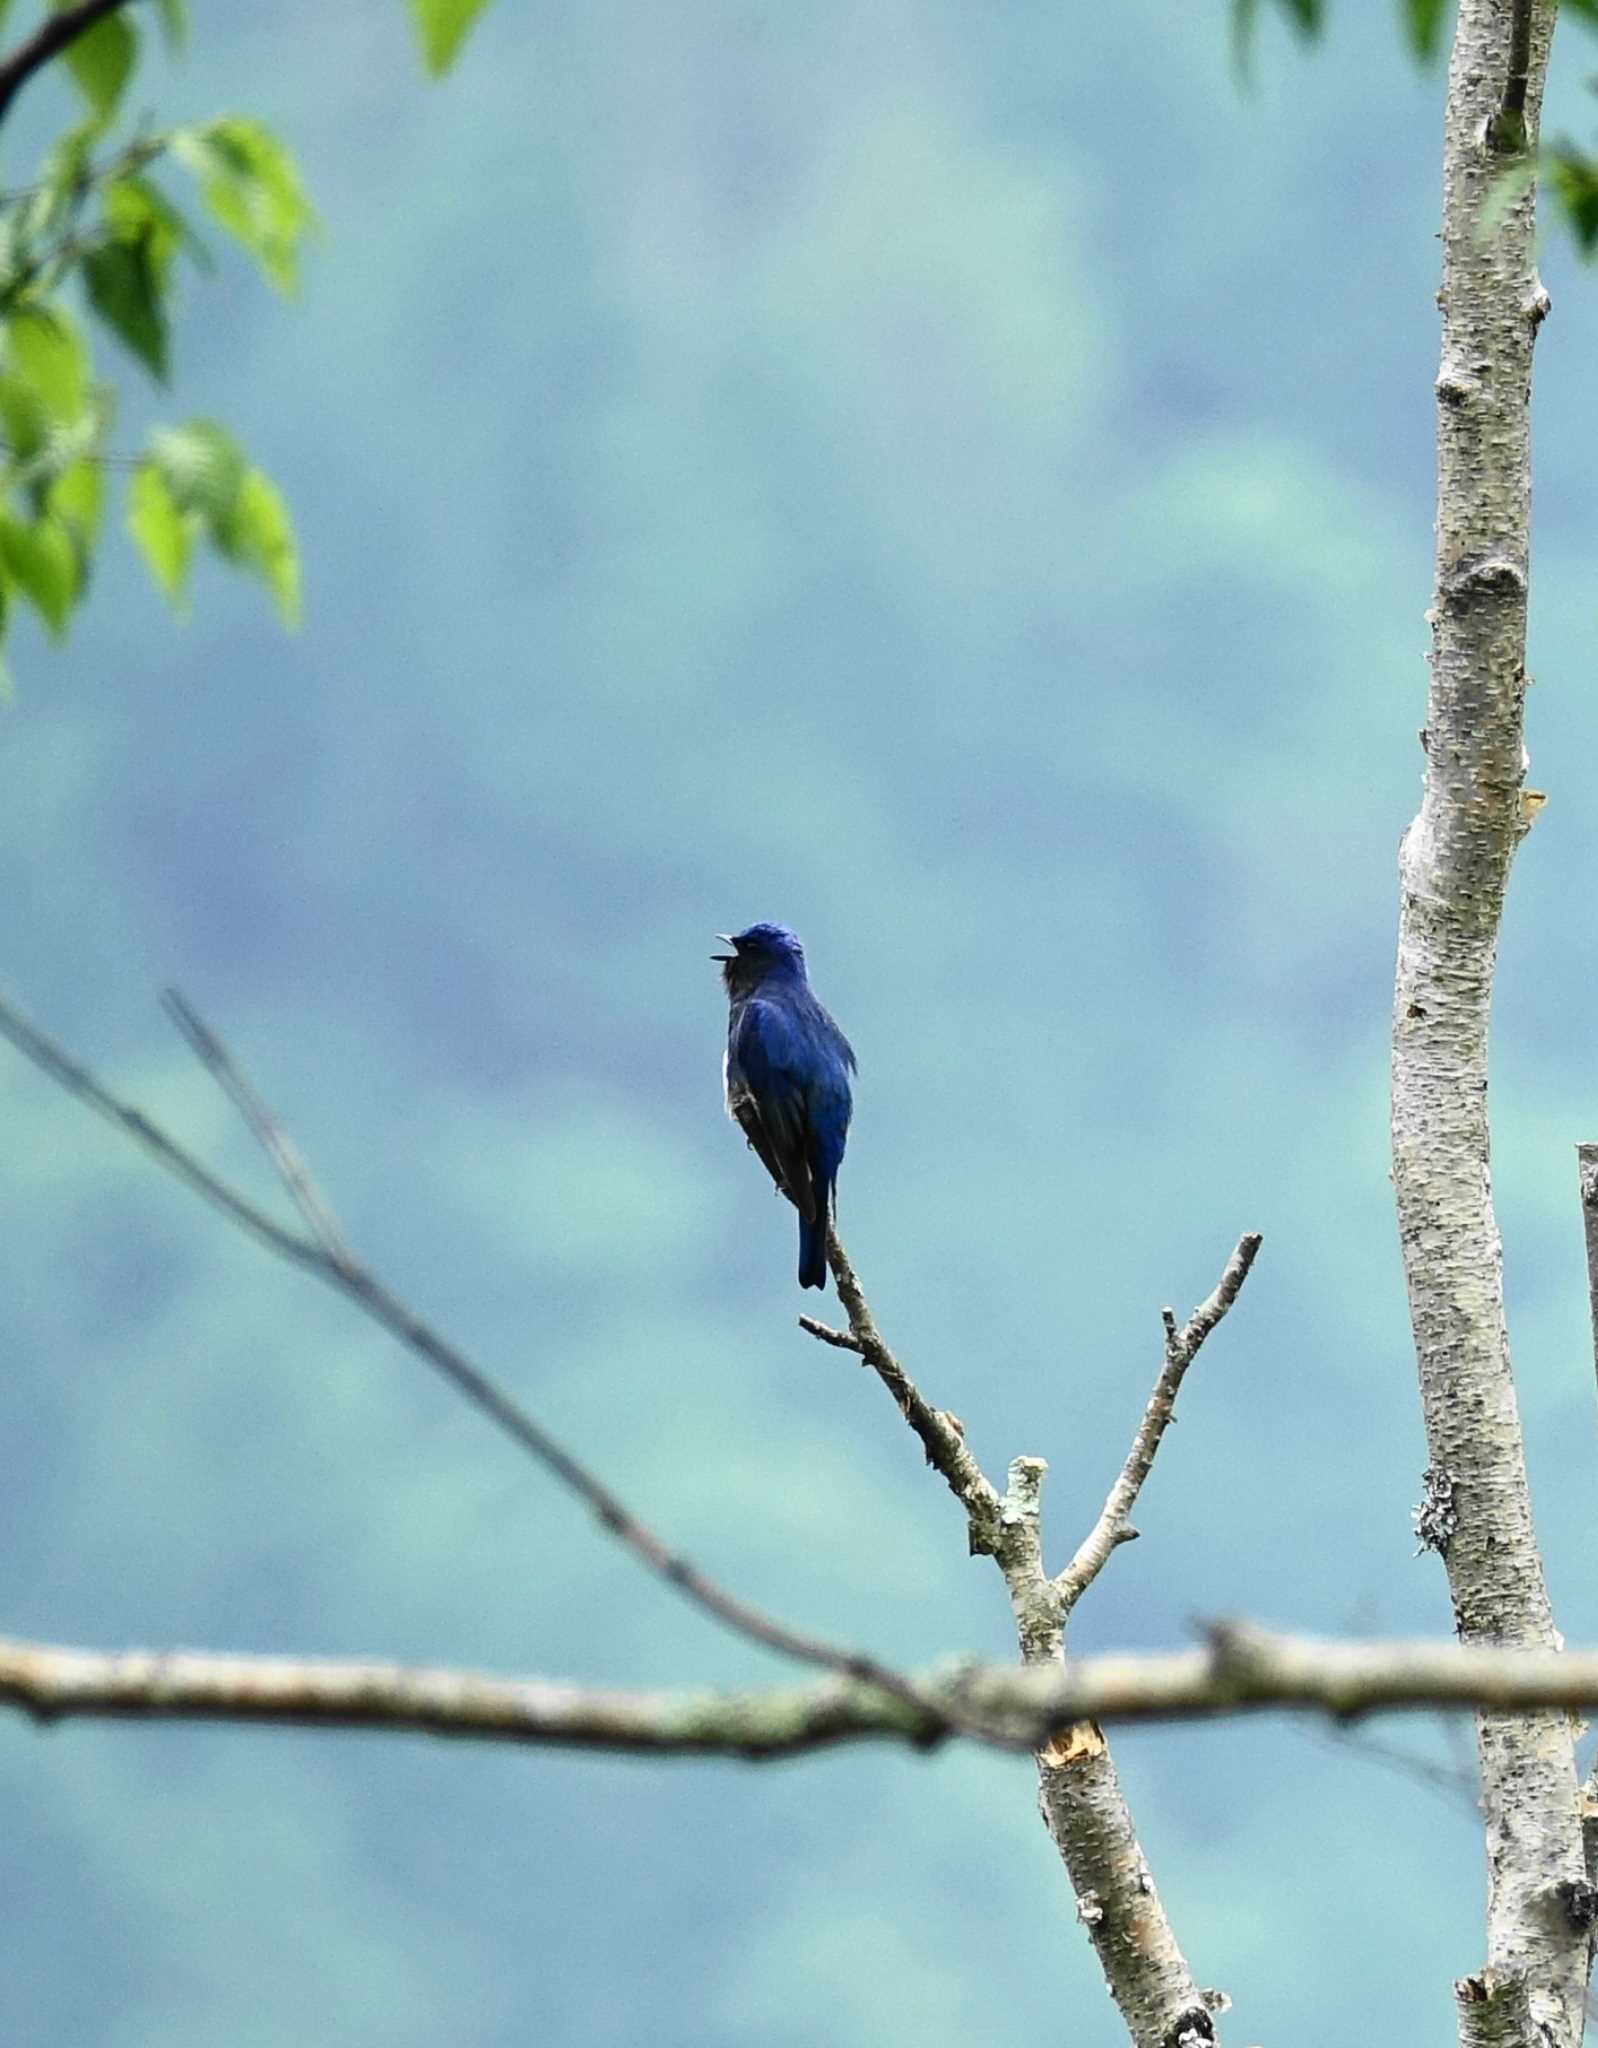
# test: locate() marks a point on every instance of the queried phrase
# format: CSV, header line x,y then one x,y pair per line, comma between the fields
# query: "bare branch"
x,y
941,1436
1182,1346
54,1060
274,1140
351,1279
1080,1793
1210,1311
840,1339
57,32
1239,1669
52,1683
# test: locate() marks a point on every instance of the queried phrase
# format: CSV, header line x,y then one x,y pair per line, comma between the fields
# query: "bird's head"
x,y
762,953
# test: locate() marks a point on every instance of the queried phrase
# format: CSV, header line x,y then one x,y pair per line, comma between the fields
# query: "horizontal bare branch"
x,y
1239,1668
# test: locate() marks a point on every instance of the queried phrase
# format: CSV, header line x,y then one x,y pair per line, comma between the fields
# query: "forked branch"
x,y
1080,1794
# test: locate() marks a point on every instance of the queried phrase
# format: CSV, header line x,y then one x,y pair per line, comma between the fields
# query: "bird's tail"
x,y
813,1246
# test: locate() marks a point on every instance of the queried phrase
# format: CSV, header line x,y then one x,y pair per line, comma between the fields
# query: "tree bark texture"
x,y
1086,1812
1454,867
1090,1823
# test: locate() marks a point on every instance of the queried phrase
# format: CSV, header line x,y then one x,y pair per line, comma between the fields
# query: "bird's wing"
x,y
766,1094
840,1044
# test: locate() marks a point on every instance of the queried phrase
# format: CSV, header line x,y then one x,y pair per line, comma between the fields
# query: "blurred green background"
x,y
954,478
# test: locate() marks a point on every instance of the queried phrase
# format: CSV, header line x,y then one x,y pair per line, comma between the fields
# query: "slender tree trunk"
x,y
1090,1824
1454,867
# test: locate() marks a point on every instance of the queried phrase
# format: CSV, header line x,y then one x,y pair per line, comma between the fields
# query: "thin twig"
x,y
841,1339
132,157
941,1436
1455,1783
1182,1346
351,1279
51,262
54,34
71,1074
274,1140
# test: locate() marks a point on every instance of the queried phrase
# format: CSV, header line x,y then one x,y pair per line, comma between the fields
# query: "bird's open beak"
x,y
726,939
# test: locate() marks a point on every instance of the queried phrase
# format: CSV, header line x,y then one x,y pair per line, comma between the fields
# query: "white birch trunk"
x,y
1454,866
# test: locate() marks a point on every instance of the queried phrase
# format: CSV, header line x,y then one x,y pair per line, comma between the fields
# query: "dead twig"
x,y
1182,1346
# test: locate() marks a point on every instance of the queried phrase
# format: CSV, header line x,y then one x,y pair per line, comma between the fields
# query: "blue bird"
x,y
786,1074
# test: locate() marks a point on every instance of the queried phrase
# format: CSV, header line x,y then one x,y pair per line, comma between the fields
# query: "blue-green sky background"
x,y
957,479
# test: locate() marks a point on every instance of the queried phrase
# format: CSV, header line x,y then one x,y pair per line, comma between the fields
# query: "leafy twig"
x,y
57,32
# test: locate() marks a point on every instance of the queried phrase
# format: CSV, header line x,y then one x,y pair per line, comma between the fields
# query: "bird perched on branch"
x,y
787,1072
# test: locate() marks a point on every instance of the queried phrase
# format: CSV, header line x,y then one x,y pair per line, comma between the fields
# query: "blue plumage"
x,y
787,1076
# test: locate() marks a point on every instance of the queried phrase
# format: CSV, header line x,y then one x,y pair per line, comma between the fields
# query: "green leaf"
x,y
16,258
77,498
61,447
1572,178
252,186
174,24
194,480
45,349
126,283
202,467
261,537
23,419
1424,21
441,27
136,210
101,61
41,560
63,178
163,532
1307,16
